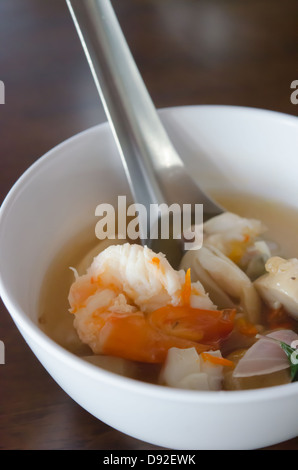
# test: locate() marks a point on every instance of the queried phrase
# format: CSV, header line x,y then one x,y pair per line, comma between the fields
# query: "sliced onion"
x,y
265,356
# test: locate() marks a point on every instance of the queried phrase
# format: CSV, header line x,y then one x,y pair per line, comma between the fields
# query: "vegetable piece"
x,y
265,356
220,361
185,368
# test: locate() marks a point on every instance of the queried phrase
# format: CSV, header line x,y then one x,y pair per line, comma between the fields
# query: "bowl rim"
x,y
39,337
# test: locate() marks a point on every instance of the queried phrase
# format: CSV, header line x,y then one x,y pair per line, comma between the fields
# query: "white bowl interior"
x,y
230,148
224,148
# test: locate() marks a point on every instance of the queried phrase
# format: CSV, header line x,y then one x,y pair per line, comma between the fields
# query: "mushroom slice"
x,y
228,286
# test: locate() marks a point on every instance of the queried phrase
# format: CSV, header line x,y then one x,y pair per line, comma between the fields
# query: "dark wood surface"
x,y
189,52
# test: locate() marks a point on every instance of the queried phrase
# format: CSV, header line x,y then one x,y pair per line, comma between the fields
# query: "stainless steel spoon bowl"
x,y
155,172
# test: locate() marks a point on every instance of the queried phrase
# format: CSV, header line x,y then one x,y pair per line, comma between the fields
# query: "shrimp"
x,y
132,304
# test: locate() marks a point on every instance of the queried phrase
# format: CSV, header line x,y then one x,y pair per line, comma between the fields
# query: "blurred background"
x,y
232,52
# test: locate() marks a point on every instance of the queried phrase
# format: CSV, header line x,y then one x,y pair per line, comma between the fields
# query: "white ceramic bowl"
x,y
225,147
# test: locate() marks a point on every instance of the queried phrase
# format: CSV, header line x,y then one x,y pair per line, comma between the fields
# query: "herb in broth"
x,y
292,354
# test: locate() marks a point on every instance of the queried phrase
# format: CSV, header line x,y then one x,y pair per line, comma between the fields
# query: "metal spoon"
x,y
155,172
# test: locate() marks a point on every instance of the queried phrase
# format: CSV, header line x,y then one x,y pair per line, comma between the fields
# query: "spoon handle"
x,y
154,170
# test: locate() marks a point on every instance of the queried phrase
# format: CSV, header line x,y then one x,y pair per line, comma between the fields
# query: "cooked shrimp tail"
x,y
132,304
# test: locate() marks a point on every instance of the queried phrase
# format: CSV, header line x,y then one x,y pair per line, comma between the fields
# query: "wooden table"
x,y
188,52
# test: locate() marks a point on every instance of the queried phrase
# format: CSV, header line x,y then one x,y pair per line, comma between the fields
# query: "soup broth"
x,y
56,320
